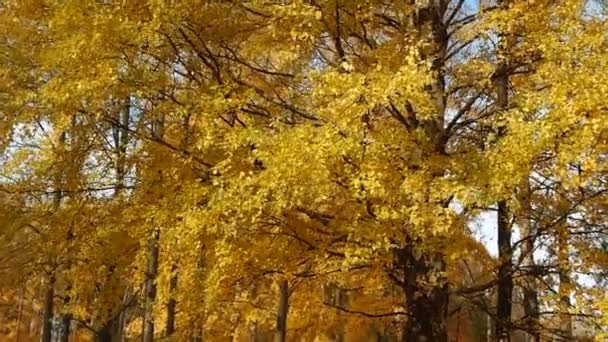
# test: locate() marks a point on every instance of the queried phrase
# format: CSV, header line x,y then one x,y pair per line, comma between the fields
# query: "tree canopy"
x,y
303,170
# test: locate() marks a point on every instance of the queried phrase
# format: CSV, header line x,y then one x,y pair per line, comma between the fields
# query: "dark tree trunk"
x,y
171,303
104,335
47,315
66,318
66,321
529,289
110,332
505,275
150,288
527,234
426,305
281,331
565,282
505,250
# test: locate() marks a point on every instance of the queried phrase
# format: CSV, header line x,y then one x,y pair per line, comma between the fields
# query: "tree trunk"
x,y
426,305
565,282
530,294
150,287
489,328
341,302
66,320
505,249
505,275
153,255
47,316
115,327
170,323
105,334
422,274
121,141
122,317
281,331
66,317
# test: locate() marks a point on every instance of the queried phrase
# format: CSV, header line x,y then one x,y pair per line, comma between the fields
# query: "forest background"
x,y
303,170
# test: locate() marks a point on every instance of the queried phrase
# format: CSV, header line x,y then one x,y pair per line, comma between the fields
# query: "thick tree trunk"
x,y
426,304
111,331
66,321
47,315
422,273
505,275
281,331
106,333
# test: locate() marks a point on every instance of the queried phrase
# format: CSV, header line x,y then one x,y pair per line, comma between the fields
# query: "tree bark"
x,y
47,315
426,305
116,327
47,320
505,249
565,282
530,294
150,287
107,332
341,302
422,273
123,316
153,255
170,323
66,317
281,329
66,320
505,277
